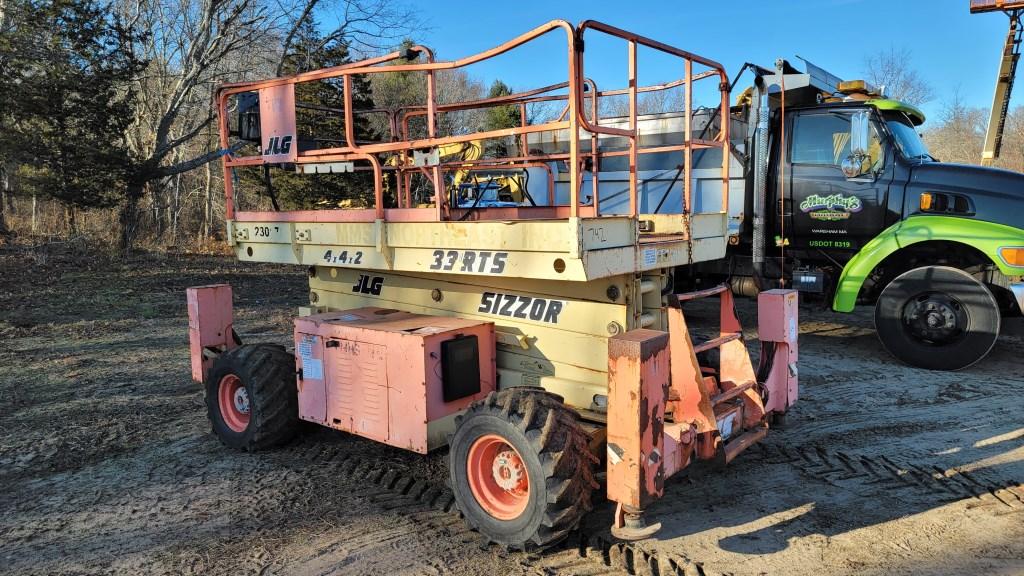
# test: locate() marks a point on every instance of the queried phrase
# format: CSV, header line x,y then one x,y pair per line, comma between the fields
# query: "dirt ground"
x,y
107,464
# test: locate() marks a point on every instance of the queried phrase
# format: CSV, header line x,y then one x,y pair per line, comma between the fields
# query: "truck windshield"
x,y
907,138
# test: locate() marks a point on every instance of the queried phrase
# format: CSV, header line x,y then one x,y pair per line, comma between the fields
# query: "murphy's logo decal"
x,y
834,207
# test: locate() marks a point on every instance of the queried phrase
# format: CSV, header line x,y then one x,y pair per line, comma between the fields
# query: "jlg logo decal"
x,y
278,145
369,285
523,307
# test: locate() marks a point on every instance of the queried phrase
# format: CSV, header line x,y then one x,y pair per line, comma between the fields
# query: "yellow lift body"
x,y
590,360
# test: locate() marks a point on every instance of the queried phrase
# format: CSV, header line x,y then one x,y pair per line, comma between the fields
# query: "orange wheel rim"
x,y
497,477
234,402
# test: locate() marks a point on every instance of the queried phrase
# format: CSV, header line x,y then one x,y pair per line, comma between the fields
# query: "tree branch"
x,y
310,4
165,171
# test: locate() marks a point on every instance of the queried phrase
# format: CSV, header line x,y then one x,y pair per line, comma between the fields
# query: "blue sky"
x,y
951,48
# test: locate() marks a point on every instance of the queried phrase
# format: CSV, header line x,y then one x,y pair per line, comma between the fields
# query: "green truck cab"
x,y
844,199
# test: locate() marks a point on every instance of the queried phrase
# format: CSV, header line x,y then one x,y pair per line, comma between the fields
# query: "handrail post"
x,y
440,196
378,188
403,159
229,188
634,202
688,137
726,142
575,74
400,199
524,145
595,160
350,137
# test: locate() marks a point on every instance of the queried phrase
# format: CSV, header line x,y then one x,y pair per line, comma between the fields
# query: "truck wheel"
x,y
937,318
251,397
520,468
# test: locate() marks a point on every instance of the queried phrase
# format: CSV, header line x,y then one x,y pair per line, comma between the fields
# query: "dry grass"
x,y
98,231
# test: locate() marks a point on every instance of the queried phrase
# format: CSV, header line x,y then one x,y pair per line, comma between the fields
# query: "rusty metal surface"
x,y
712,403
638,376
694,401
736,368
979,6
748,439
717,411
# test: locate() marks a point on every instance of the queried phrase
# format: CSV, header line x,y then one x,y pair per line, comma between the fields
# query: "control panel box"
x,y
392,376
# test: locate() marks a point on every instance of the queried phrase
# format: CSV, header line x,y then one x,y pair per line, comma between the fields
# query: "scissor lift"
x,y
571,347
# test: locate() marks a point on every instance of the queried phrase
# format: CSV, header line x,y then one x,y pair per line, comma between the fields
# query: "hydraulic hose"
x,y
760,156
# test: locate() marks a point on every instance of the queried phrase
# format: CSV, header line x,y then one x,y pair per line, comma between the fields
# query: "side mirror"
x,y
860,128
854,165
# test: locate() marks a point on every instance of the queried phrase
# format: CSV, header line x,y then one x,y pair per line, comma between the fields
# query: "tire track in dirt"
x,y
428,510
595,553
429,506
412,529
869,474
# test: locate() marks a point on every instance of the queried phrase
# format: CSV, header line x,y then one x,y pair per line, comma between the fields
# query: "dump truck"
x,y
854,212
843,199
541,342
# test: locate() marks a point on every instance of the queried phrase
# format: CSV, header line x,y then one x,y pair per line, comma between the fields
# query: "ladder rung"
x,y
702,293
731,393
705,346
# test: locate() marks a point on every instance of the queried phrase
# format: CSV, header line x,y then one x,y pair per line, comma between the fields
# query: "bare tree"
x,y
458,86
186,43
366,26
396,90
1012,155
892,70
958,134
192,45
654,102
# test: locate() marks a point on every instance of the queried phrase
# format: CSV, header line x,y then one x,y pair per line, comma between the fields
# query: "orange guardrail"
x,y
278,146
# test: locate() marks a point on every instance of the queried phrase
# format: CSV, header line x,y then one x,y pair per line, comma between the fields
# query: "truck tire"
x,y
938,318
520,468
251,397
